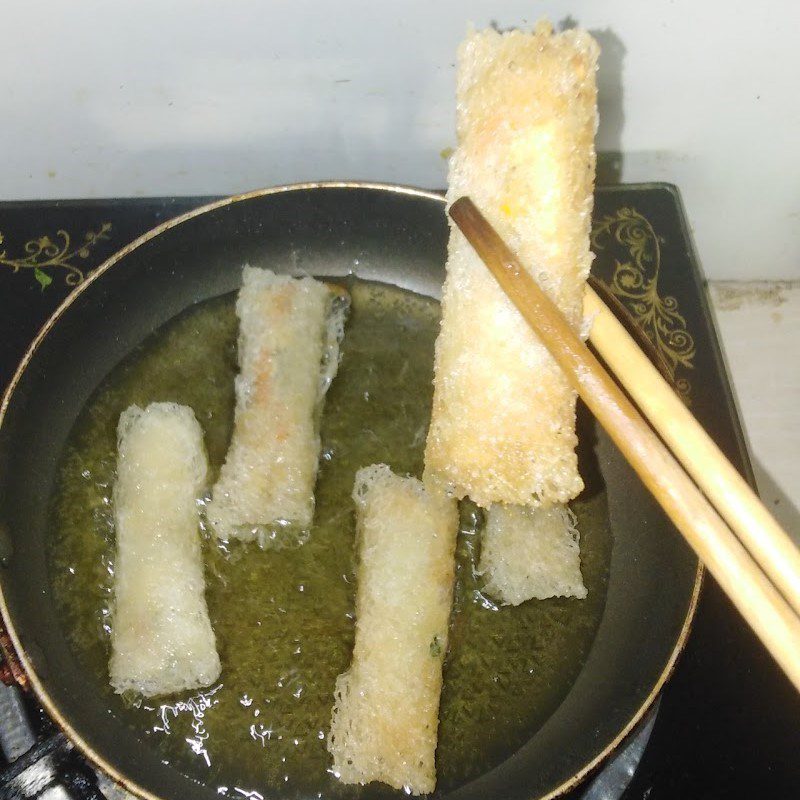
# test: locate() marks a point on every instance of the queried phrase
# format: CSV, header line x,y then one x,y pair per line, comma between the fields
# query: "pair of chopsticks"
x,y
750,555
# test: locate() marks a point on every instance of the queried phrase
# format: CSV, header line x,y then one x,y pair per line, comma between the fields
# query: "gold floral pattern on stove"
x,y
635,282
48,255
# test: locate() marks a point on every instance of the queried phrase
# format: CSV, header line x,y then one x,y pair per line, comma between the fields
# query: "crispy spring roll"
x,y
503,421
529,553
161,639
386,713
289,335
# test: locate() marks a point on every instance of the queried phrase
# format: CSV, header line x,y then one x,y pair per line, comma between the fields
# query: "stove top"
x,y
726,725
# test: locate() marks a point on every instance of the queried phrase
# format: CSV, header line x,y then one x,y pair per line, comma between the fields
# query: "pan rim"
x,y
36,683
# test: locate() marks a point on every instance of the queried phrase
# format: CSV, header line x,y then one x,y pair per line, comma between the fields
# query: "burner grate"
x,y
39,762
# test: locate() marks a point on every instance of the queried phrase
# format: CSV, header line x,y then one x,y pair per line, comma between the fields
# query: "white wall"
x,y
179,97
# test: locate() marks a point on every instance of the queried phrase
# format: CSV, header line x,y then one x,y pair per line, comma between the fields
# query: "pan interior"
x,y
382,235
284,616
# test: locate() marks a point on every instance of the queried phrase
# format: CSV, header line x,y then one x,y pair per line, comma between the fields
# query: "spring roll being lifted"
x,y
386,714
161,638
289,335
503,420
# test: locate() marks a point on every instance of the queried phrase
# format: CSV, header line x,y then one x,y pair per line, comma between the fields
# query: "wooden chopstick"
x,y
752,592
736,502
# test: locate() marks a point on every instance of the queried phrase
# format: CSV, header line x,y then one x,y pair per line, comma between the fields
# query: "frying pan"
x,y
385,233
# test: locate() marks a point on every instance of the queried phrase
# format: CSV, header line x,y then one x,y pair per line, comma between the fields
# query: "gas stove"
x,y
726,724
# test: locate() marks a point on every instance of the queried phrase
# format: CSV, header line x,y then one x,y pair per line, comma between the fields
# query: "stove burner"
x,y
39,761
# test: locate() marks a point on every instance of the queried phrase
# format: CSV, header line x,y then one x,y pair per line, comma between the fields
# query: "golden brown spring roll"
x,y
386,714
531,553
289,335
503,422
161,638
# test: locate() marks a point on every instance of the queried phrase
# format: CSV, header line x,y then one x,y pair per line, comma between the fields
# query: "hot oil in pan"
x,y
284,617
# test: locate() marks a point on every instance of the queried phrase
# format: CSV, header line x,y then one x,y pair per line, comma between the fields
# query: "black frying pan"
x,y
382,233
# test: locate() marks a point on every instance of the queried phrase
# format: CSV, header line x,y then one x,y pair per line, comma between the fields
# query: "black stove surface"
x,y
728,722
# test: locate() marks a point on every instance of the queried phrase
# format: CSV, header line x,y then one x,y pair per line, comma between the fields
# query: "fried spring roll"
x,y
503,422
529,553
161,639
289,335
386,714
